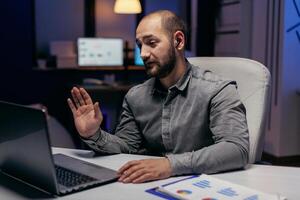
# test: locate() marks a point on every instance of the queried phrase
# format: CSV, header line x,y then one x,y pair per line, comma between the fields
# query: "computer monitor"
x,y
137,56
100,52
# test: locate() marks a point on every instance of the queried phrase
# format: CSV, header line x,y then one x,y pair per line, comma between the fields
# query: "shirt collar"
x,y
181,84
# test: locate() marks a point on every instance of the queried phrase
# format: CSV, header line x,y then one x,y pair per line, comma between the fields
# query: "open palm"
x,y
87,116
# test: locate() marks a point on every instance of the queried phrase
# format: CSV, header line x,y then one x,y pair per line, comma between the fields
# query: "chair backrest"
x,y
253,81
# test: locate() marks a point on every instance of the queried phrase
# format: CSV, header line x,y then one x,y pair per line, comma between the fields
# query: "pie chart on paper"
x,y
208,198
184,192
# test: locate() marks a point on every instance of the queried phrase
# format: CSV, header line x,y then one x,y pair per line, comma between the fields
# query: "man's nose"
x,y
145,54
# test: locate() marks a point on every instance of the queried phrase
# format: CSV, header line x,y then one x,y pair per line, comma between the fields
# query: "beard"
x,y
164,68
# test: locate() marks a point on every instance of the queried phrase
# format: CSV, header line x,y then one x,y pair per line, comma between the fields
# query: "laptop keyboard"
x,y
70,178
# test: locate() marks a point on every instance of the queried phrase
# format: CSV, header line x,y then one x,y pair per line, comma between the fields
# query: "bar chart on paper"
x,y
228,192
205,187
202,184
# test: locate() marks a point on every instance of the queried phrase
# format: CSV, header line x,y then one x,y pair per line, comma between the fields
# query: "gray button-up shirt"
x,y
199,124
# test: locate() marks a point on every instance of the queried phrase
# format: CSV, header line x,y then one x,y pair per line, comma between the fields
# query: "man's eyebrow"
x,y
145,38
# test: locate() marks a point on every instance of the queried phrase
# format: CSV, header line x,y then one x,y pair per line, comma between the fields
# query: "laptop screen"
x,y
25,154
24,145
100,52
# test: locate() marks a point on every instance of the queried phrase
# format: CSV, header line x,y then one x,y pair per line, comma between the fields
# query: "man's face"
x,y
157,50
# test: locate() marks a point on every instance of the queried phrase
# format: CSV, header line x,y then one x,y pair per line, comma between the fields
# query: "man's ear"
x,y
179,41
176,42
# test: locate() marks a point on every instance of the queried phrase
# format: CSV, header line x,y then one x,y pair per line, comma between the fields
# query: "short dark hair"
x,y
171,22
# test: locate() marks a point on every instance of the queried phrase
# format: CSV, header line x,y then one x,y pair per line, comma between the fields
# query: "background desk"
x,y
272,179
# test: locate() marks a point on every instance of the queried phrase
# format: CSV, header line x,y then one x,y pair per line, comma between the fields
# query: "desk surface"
x,y
272,179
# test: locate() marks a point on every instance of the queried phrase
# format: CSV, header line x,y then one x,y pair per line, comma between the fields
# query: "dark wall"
x,y
17,38
19,83
208,12
16,49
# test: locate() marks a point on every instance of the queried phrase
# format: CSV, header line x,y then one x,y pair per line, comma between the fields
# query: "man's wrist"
x,y
169,167
95,137
180,163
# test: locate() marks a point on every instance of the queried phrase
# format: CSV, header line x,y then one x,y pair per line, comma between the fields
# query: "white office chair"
x,y
253,80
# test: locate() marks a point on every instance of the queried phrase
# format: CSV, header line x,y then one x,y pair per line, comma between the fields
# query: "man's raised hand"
x,y
87,116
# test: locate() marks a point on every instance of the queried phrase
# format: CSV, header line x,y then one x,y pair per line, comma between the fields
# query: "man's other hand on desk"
x,y
139,171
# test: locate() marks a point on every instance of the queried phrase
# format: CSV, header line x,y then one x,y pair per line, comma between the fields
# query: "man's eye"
x,y
152,42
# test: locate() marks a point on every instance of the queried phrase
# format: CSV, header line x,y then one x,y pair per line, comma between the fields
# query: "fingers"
x,y
143,178
81,103
145,170
136,172
139,176
78,95
127,166
97,110
71,105
132,173
86,97
75,98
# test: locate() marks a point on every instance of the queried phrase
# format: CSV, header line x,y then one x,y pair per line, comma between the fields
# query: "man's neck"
x,y
175,74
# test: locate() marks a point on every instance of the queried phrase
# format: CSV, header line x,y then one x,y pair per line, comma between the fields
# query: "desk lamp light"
x,y
127,7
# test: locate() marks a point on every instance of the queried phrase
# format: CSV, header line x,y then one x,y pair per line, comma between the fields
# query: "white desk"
x,y
272,179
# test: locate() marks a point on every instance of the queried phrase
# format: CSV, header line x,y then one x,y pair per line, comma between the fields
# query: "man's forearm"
x,y
106,143
215,158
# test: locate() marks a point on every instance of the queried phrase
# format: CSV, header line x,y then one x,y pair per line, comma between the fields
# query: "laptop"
x,y
25,154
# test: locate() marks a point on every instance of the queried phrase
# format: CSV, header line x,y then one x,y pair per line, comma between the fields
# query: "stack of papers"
x,y
205,187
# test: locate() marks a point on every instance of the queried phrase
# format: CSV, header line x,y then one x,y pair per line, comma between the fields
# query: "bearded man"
x,y
189,116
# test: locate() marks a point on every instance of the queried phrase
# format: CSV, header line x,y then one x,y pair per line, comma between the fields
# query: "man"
x,y
191,117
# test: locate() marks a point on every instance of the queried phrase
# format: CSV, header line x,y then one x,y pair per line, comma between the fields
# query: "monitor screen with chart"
x,y
100,52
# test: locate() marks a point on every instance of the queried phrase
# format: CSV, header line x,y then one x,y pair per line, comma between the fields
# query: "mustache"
x,y
147,63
